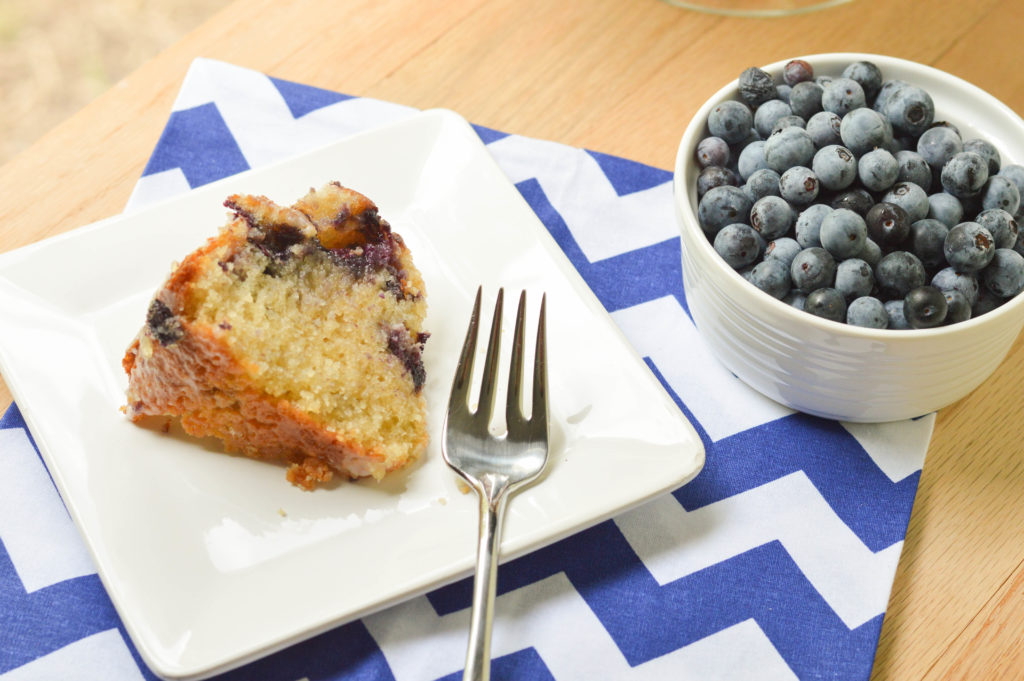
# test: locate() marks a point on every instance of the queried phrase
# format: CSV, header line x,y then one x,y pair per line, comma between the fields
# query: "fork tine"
x,y
539,411
459,399
514,403
488,385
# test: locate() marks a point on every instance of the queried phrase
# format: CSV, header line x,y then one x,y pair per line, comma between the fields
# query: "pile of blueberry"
x,y
845,197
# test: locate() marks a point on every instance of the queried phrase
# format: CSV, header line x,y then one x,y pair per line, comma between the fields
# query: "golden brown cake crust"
x,y
182,367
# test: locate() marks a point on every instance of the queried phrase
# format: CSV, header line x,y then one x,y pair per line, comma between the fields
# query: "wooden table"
x,y
622,77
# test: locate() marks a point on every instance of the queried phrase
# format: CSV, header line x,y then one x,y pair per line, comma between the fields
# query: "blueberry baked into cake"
x,y
294,335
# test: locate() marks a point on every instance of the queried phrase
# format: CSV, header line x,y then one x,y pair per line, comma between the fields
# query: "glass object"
x,y
756,8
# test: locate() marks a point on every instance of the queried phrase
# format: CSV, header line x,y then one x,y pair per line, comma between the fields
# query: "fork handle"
x,y
478,654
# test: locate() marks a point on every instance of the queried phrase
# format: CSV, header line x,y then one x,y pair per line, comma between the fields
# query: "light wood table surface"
x,y
621,77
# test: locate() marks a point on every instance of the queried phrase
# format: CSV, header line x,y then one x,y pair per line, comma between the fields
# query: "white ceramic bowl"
x,y
827,368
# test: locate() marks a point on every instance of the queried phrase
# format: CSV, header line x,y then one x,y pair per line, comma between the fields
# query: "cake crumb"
x,y
308,473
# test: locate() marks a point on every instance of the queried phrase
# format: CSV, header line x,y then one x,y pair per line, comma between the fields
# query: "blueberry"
x,y
787,148
857,199
862,130
767,114
868,312
771,217
843,233
824,127
1015,174
738,245
799,186
713,151
1004,276
756,86
965,174
787,121
854,278
797,71
751,159
1001,192
924,307
762,244
871,253
910,110
897,273
782,92
736,147
947,124
987,151
957,307
927,237
715,176
948,279
987,301
868,75
877,170
163,323
894,309
945,208
888,224
911,198
835,166
808,225
1001,225
842,95
898,143
730,120
762,182
913,168
772,277
812,268
969,247
795,299
827,303
805,99
722,206
783,249
889,87
937,145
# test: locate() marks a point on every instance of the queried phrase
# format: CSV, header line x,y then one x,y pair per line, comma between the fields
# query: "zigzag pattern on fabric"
x,y
763,584
83,600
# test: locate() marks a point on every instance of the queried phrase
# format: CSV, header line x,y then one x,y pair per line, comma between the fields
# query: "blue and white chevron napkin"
x,y
776,562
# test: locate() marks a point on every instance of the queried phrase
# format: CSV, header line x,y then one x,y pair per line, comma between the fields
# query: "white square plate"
x,y
215,560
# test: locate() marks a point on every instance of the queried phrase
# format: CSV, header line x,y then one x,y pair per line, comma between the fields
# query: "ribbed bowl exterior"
x,y
826,368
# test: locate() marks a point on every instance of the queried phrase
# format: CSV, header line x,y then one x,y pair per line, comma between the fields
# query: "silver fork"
x,y
495,465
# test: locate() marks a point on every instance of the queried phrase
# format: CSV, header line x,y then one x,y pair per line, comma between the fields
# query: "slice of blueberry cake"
x,y
294,335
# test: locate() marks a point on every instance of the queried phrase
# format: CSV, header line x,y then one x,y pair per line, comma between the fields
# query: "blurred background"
x,y
57,55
